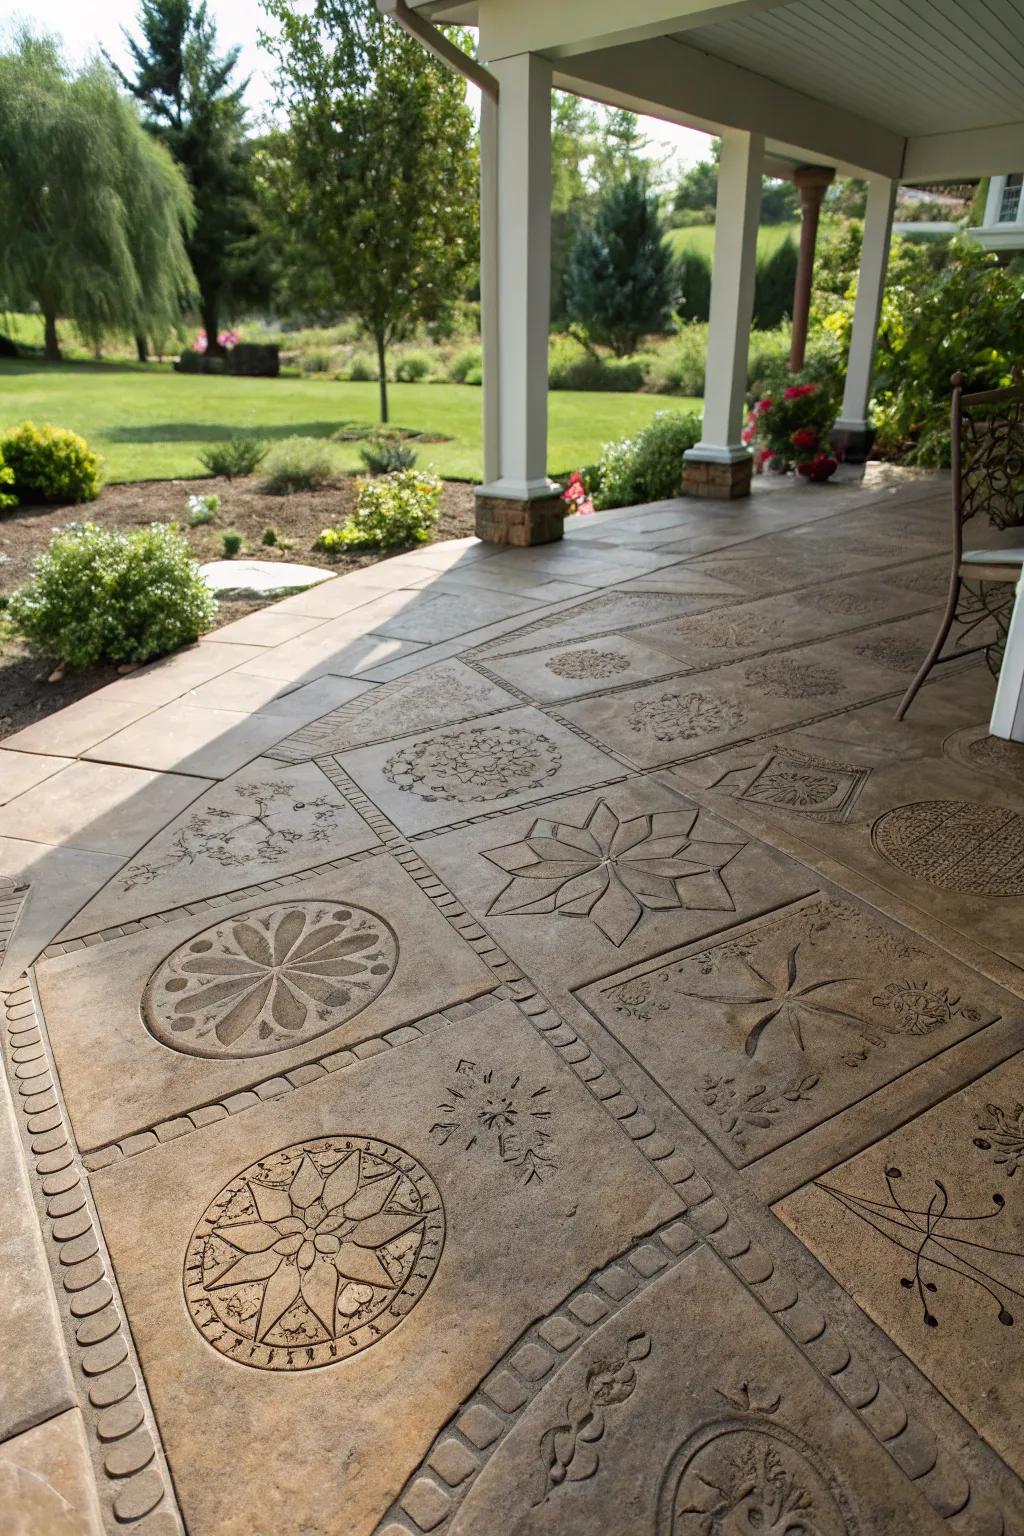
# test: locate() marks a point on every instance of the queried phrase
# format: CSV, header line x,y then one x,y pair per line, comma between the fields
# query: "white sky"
x,y
85,27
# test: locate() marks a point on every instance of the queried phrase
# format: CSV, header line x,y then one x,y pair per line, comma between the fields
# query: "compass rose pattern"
x,y
314,1253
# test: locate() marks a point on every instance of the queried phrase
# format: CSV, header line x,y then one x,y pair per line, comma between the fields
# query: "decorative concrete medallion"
x,y
314,1253
581,664
685,716
475,764
956,845
892,652
975,748
269,979
745,1475
795,782
786,678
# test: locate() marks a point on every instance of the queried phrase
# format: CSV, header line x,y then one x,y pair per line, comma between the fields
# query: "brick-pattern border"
x,y
283,1083
461,1450
13,896
132,1481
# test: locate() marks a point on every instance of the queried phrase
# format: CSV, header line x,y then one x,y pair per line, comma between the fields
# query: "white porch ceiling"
x,y
915,66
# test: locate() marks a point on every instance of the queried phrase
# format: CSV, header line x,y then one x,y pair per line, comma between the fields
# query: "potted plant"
x,y
790,431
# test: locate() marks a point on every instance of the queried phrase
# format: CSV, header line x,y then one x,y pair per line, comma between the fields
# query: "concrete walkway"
x,y
522,1042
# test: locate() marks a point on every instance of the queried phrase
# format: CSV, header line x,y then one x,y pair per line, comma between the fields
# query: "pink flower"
x,y
747,434
200,341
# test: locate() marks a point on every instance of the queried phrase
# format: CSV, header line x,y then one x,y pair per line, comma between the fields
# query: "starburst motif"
x,y
780,992
611,870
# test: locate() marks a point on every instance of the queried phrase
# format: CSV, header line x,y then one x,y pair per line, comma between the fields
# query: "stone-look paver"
x,y
521,1041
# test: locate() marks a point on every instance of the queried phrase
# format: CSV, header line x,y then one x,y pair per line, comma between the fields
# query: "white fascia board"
x,y
999,237
668,78
567,27
974,152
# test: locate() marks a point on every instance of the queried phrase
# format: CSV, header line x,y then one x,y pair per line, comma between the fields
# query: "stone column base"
x,y
852,444
717,481
502,520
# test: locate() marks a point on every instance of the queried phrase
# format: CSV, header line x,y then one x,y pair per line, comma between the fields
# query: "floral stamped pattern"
x,y
685,716
569,1450
475,764
611,870
784,677
270,979
1003,1137
582,664
916,1008
314,1252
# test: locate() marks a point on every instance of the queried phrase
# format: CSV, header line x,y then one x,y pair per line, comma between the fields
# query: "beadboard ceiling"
x,y
915,66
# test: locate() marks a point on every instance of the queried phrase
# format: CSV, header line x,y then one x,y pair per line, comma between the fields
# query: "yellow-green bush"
x,y
400,508
51,464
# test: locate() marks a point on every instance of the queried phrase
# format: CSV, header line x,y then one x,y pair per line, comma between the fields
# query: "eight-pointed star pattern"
x,y
611,870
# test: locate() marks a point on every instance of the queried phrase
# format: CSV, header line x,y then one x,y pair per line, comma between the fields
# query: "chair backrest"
x,y
987,431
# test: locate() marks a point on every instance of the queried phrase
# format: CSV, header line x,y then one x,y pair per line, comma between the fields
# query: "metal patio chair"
x,y
987,431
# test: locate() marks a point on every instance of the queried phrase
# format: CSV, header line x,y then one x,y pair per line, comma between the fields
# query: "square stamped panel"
x,y
319,1371
591,883
565,671
448,776
926,1230
689,1413
789,1020
601,615
146,1027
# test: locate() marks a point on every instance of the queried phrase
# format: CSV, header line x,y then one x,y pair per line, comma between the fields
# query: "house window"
x,y
1010,202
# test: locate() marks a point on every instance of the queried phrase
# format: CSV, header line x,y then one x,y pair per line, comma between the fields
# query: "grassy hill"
x,y
701,237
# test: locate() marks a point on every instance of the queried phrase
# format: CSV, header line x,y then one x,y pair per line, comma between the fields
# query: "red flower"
x,y
747,434
804,437
797,391
818,468
766,454
764,404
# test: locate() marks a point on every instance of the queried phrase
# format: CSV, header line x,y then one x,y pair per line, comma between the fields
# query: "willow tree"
x,y
371,185
95,211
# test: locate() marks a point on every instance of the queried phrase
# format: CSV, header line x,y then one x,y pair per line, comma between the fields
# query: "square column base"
x,y
852,441
717,481
506,520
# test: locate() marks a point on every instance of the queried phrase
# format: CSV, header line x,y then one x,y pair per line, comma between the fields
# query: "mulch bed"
x,y
26,694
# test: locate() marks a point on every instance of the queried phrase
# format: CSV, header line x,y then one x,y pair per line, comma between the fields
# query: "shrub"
x,y
269,537
475,376
678,369
572,366
469,360
315,362
413,367
97,595
237,457
50,464
232,545
648,467
362,369
202,509
297,464
382,455
400,508
7,498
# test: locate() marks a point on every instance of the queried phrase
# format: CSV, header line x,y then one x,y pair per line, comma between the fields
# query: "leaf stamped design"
x,y
569,1450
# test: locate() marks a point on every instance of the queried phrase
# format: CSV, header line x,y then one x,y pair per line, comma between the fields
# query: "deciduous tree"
x,y
95,212
372,185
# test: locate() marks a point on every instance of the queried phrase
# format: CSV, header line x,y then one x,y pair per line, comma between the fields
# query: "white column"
x,y
874,260
516,278
737,212
1008,709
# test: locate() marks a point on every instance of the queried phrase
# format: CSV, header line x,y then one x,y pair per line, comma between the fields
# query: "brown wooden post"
x,y
812,181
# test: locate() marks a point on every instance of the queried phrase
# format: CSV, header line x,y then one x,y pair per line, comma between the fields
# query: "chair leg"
x,y
936,647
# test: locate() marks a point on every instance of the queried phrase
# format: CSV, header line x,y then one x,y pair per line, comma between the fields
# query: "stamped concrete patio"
x,y
523,1042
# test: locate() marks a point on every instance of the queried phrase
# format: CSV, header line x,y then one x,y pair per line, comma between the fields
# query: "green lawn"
x,y
701,237
149,423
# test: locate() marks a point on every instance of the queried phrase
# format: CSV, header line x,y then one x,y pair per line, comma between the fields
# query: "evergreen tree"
x,y
774,281
190,103
97,211
372,186
620,270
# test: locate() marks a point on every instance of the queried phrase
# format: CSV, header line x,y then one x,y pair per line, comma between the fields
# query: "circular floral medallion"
x,y
958,845
478,763
269,979
685,716
580,664
975,748
314,1253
